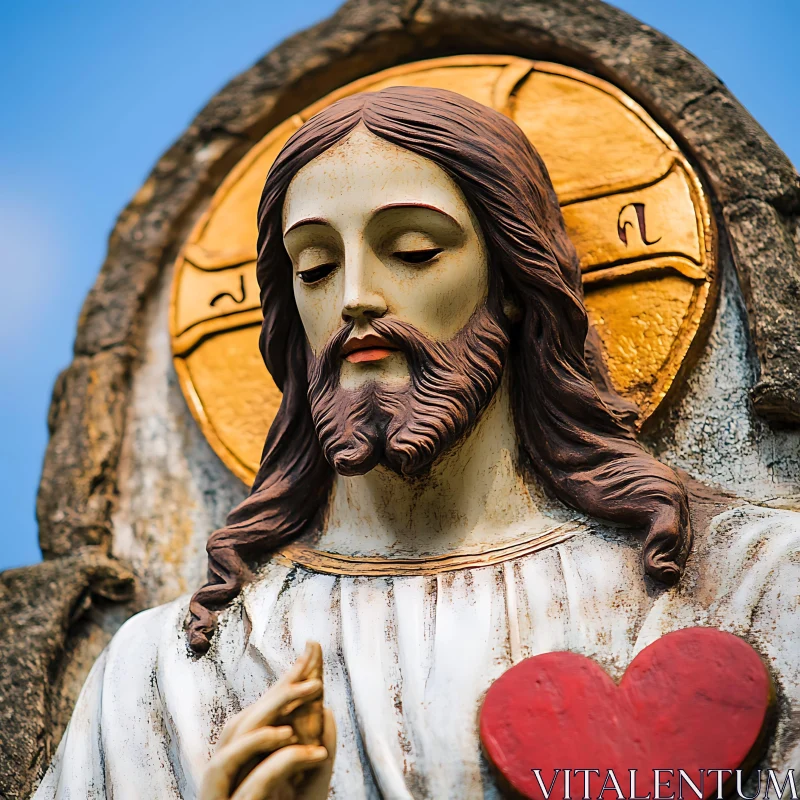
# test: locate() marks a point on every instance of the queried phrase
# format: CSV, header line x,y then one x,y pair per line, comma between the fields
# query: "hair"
x,y
574,432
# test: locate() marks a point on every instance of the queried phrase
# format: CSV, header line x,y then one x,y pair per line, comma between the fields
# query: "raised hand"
x,y
280,748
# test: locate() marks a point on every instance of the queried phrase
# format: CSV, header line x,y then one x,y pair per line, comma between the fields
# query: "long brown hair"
x,y
574,432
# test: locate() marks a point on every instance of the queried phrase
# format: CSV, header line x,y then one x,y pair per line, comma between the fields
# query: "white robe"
x,y
408,659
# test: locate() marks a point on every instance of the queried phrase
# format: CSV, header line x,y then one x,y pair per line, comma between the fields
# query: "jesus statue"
x,y
451,485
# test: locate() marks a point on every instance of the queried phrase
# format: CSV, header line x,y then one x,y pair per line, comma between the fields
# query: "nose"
x,y
362,301
364,307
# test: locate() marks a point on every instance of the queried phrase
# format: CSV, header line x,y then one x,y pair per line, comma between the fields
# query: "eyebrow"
x,y
307,221
388,207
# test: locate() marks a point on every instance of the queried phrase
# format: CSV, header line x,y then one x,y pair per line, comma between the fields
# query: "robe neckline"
x,y
329,563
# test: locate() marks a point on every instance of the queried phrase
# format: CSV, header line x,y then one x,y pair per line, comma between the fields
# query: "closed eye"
x,y
316,274
417,256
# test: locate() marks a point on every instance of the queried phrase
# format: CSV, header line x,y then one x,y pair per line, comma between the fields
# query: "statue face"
x,y
391,283
374,231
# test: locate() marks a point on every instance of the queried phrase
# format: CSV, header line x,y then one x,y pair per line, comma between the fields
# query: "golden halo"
x,y
633,205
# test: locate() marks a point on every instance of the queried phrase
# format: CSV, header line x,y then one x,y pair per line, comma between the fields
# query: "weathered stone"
x,y
146,236
762,239
173,490
359,39
710,430
78,486
739,158
40,607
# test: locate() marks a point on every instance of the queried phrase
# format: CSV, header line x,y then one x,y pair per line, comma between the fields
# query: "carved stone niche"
x,y
136,477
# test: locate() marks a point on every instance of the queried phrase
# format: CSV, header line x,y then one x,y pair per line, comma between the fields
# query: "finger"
x,y
314,663
316,788
307,666
289,708
329,731
298,670
272,704
229,730
278,768
215,784
231,759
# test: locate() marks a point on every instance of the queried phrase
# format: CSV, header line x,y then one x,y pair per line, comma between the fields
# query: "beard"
x,y
407,428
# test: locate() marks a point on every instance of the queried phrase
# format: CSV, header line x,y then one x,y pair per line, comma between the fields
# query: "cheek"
x,y
319,311
441,300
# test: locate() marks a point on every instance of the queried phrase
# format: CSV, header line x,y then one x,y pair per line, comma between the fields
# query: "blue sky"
x,y
93,92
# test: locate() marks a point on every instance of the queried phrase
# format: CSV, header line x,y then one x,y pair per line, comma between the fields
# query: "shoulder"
x,y
742,540
157,637
744,566
742,576
145,632
134,653
160,702
731,534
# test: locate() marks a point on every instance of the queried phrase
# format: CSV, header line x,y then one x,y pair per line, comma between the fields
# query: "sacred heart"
x,y
697,700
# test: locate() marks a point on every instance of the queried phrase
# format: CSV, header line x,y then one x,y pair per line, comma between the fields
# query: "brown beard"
x,y
406,429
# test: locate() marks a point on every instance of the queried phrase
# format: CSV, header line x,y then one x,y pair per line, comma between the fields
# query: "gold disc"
x,y
634,208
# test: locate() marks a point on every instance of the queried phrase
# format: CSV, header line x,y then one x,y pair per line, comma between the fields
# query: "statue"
x,y
450,485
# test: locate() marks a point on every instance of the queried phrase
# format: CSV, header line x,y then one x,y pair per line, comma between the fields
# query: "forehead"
x,y
362,173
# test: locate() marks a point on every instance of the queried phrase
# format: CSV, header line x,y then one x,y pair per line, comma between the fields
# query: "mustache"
x,y
403,336
423,351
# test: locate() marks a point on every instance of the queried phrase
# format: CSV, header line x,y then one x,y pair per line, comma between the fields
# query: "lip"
x,y
361,349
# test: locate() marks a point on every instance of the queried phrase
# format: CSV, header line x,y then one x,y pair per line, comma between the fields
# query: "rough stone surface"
x,y
42,607
79,475
711,431
119,395
764,239
173,489
144,238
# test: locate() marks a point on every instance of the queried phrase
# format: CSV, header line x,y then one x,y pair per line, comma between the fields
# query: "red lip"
x,y
361,349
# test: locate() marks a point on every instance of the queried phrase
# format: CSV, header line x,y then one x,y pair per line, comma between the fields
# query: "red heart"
x,y
696,699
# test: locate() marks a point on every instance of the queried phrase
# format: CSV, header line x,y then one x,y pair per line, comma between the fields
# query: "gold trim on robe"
x,y
383,566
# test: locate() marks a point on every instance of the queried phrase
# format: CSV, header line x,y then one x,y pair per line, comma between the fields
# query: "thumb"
x,y
319,780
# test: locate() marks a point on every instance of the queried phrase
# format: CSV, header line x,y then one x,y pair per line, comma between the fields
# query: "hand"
x,y
270,750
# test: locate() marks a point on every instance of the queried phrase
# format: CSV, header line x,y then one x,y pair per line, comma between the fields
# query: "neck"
x,y
472,497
